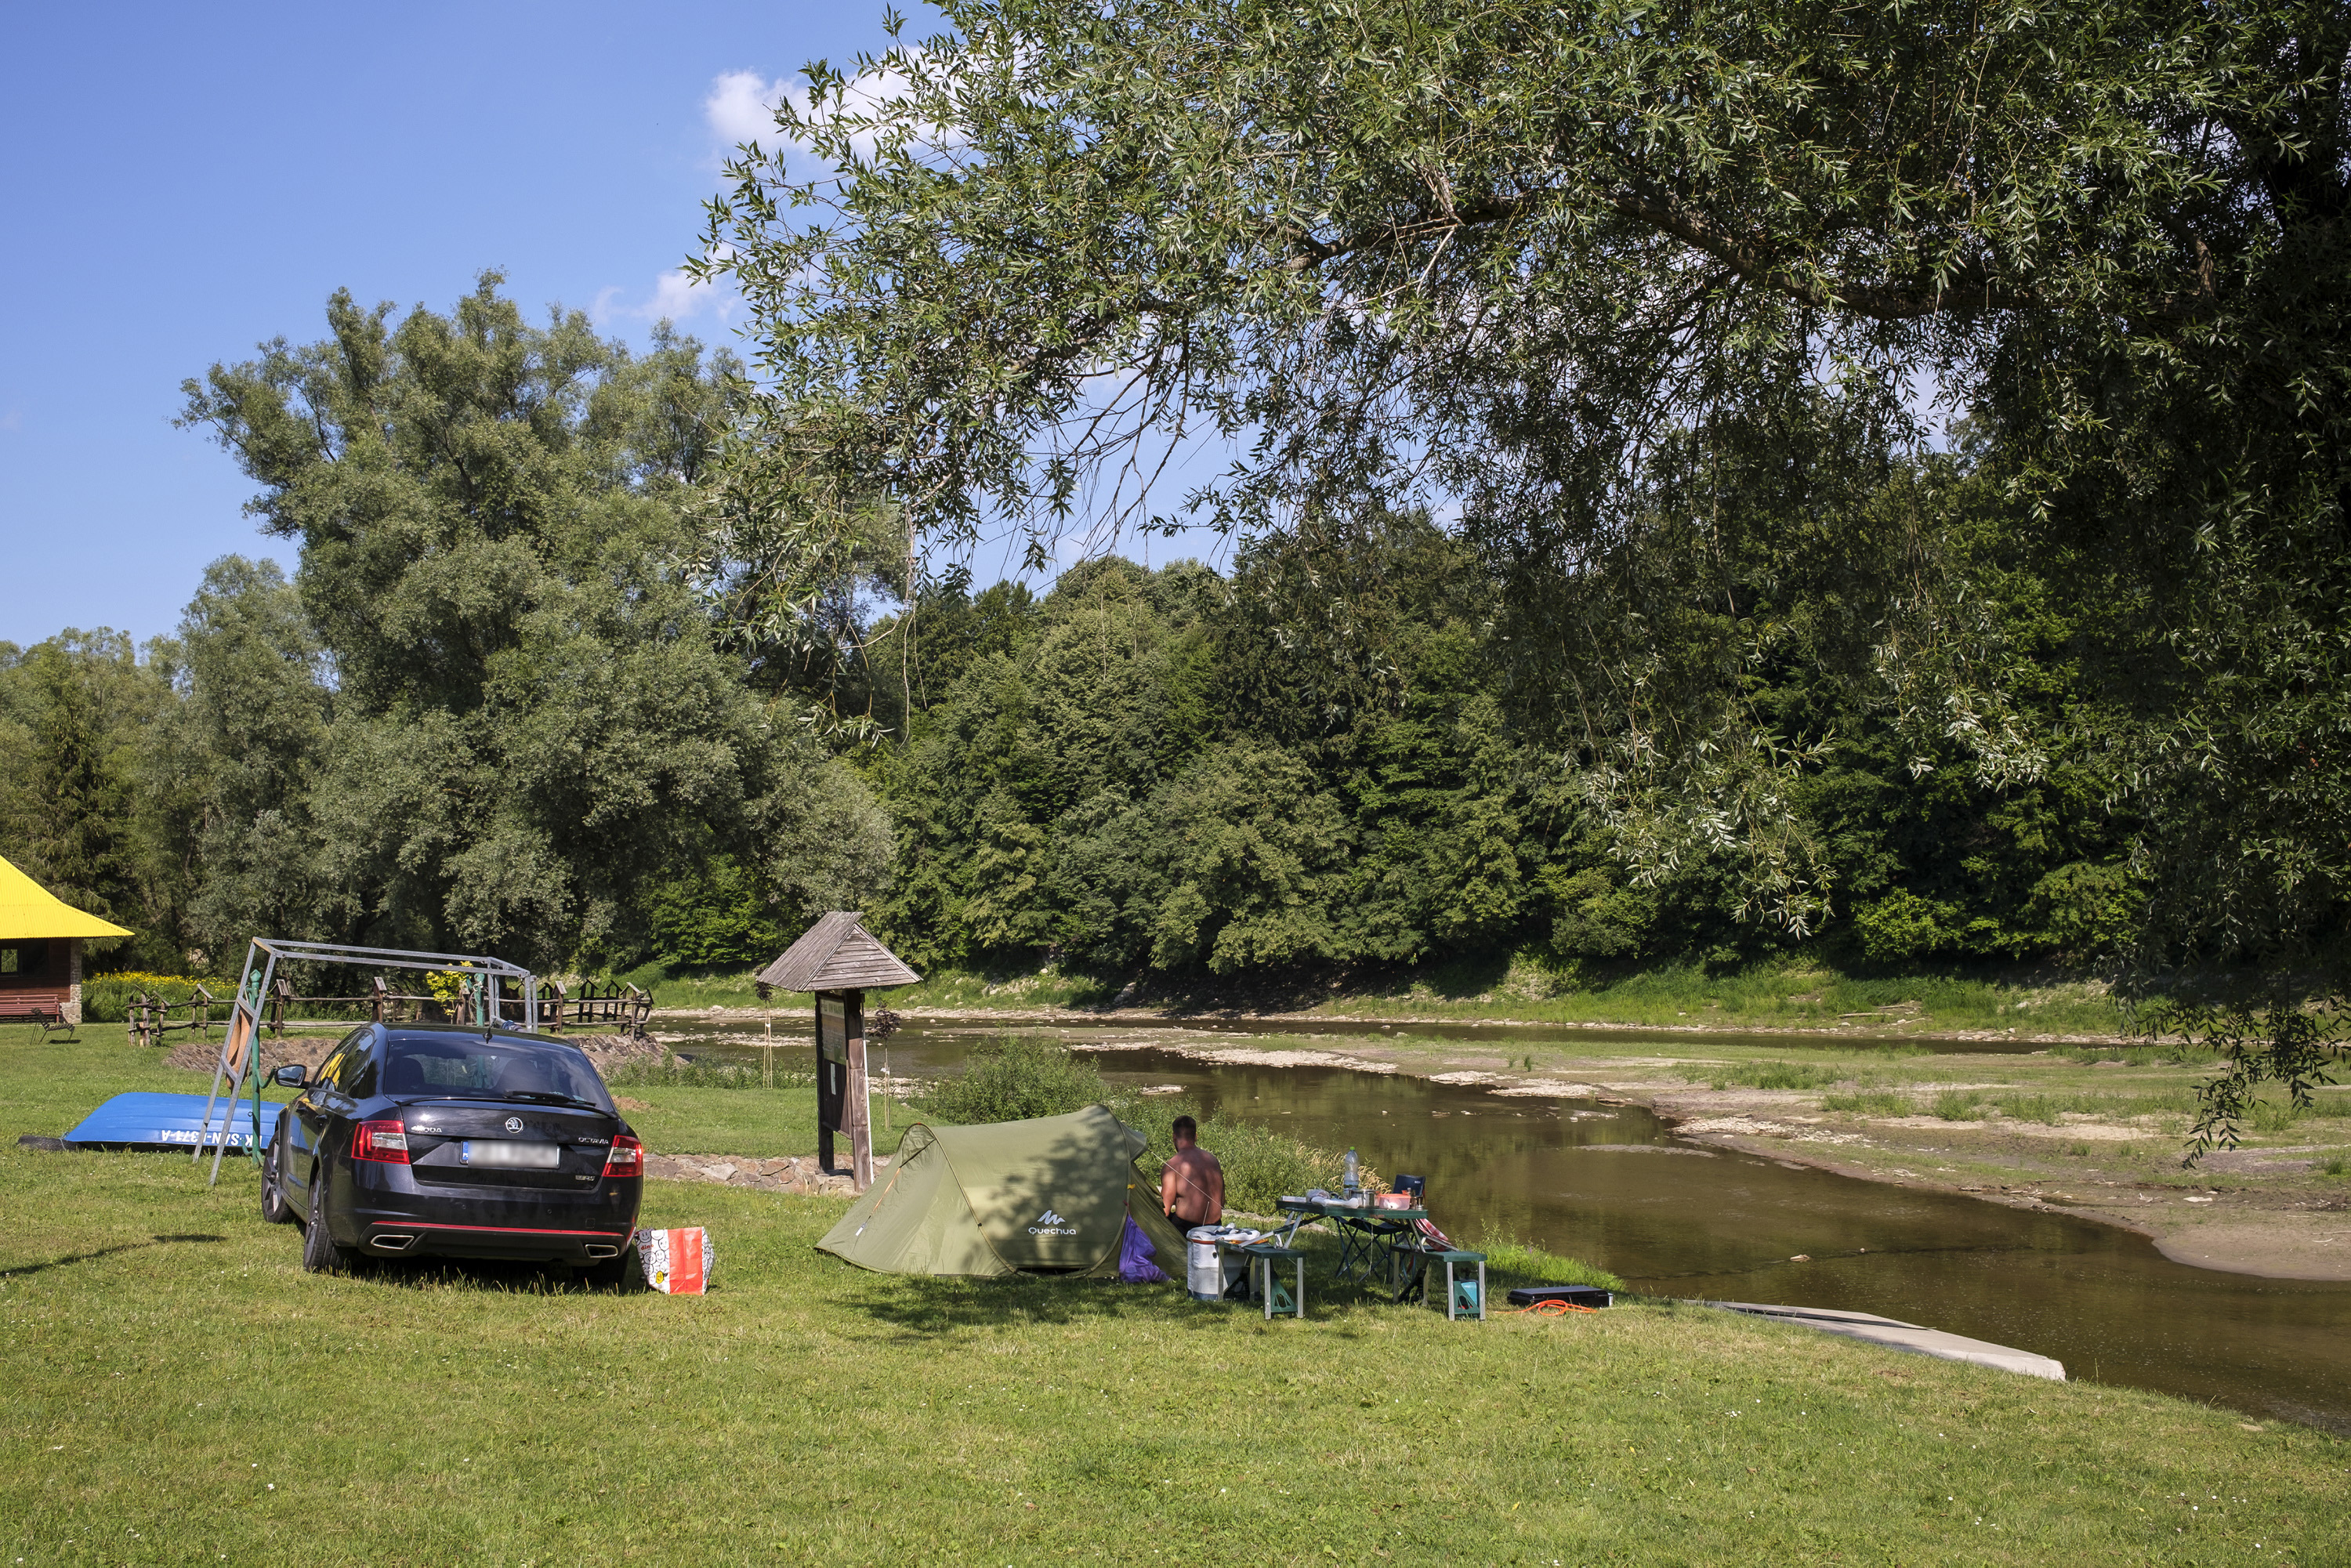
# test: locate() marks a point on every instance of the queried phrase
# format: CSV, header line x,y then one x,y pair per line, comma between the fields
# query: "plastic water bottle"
x,y
1354,1173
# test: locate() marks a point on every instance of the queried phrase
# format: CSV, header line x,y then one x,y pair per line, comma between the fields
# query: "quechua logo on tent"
x,y
1051,1224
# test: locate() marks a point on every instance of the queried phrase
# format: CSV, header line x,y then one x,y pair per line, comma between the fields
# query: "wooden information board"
x,y
840,1095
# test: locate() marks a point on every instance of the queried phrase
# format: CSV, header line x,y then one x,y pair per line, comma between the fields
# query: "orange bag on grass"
x,y
676,1262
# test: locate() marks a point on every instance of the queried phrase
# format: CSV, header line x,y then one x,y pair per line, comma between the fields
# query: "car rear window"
x,y
491,1068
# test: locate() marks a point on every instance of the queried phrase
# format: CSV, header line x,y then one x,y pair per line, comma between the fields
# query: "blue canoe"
x,y
167,1122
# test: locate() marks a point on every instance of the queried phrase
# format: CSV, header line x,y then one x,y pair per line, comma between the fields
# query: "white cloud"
x,y
741,107
674,297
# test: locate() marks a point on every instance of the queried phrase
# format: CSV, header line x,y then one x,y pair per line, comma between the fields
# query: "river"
x,y
1609,1184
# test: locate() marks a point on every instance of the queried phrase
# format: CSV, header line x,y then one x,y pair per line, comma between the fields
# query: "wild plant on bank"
x,y
676,1071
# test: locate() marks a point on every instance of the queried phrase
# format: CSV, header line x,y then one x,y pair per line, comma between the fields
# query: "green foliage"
x,y
1903,926
2279,1039
529,725
76,792
1774,1076
1011,1078
106,999
2278,1115
1870,1103
2040,1109
1262,1165
2073,686
716,916
1960,1104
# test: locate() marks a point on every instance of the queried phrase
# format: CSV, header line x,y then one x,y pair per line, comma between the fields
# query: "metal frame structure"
x,y
243,1040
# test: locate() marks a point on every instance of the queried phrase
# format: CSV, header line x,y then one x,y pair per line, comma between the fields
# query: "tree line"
x,y
513,700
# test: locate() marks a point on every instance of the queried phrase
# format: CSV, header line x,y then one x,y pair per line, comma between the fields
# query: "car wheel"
x,y
622,1276
275,1209
321,1253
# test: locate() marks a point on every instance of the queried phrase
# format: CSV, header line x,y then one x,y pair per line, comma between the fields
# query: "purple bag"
x,y
1134,1257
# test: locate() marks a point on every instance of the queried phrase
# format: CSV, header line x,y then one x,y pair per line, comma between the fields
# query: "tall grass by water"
x,y
1013,1077
679,1073
1768,1074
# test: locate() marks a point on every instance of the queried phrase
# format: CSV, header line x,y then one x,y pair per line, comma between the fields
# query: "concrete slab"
x,y
1895,1334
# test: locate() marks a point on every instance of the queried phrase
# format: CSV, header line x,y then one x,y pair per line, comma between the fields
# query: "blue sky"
x,y
185,182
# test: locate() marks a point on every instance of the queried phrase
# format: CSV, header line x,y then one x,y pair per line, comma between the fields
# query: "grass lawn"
x,y
179,1391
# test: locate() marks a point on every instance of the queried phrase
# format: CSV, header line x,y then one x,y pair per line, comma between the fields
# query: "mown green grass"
x,y
180,1392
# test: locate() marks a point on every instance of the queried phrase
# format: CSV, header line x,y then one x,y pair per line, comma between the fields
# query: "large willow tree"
x,y
490,711
1649,295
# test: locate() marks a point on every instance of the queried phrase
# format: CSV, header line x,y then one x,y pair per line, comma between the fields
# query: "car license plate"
x,y
511,1155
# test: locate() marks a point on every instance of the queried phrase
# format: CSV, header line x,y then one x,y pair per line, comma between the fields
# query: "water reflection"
x,y
1608,1183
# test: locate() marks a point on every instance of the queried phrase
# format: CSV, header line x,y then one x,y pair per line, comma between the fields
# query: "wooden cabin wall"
x,y
58,981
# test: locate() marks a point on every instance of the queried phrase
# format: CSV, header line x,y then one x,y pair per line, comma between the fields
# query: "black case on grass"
x,y
1574,1295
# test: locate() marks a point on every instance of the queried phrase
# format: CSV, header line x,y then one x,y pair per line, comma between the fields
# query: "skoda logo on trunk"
x,y
514,1123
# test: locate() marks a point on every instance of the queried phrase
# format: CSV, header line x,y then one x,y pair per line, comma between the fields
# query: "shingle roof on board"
x,y
838,954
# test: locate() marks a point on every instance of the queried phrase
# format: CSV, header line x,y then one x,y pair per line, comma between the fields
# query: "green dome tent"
x,y
1051,1195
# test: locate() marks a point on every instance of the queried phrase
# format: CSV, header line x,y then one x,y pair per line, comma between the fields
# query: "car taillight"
x,y
627,1158
384,1141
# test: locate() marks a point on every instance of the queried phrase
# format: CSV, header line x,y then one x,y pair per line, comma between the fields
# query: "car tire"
x,y
275,1209
321,1253
624,1275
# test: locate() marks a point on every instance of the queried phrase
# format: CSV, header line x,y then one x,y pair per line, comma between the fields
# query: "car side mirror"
x,y
293,1075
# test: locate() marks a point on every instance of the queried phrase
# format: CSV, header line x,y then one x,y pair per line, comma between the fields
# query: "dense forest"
x,y
508,702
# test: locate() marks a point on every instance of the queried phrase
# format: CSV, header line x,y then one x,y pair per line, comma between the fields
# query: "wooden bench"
x,y
45,1016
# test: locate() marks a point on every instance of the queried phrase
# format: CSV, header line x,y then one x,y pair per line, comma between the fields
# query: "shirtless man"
x,y
1192,1187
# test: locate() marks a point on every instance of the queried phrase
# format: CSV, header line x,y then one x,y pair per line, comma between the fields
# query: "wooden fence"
x,y
622,1009
150,1017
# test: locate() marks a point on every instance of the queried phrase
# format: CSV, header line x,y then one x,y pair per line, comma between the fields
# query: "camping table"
x,y
1366,1234
1268,1255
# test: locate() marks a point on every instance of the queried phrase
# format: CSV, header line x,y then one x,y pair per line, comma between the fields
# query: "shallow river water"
x,y
1609,1184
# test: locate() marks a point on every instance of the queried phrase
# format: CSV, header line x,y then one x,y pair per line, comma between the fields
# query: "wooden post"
x,y
860,1108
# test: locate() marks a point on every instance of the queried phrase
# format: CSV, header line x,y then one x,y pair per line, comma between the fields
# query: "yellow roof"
x,y
29,911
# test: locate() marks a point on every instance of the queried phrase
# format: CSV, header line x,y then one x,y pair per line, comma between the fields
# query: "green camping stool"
x,y
1263,1259
1462,1297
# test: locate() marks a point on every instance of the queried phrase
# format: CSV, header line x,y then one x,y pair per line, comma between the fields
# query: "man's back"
x,y
1193,1189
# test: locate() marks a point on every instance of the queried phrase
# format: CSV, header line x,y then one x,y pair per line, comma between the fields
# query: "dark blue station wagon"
x,y
450,1141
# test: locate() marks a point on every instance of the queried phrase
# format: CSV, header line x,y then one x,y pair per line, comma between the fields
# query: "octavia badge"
x,y
514,1123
